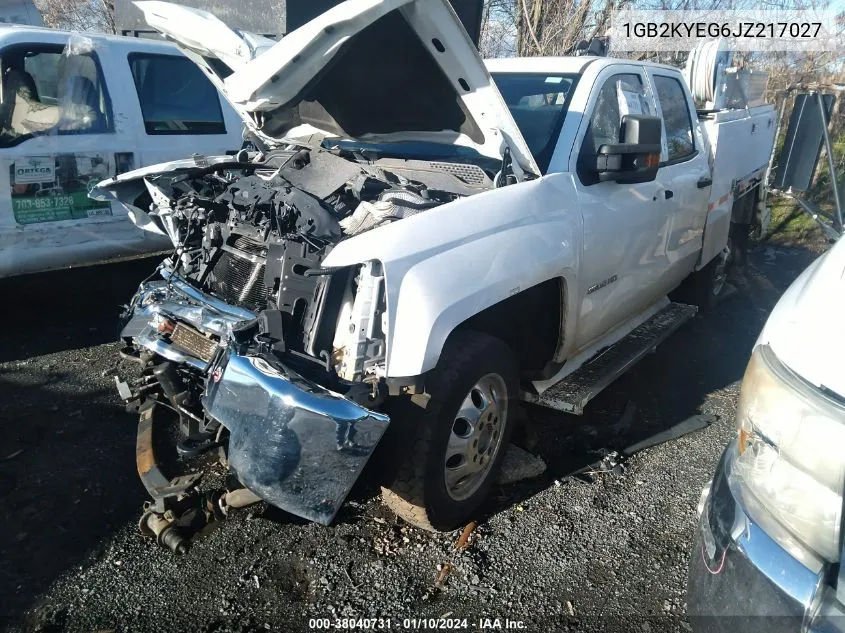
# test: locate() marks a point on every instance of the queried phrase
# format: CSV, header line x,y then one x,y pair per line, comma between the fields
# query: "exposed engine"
x,y
254,232
262,353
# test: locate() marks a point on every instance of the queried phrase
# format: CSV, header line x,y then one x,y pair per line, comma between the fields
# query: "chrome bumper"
x,y
742,581
295,444
179,300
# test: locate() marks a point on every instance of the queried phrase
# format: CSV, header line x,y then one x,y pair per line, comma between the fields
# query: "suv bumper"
x,y
742,581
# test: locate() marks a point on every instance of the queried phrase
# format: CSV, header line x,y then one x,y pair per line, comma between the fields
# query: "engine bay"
x,y
253,232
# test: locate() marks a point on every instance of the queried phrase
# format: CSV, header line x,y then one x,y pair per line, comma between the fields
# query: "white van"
x,y
75,109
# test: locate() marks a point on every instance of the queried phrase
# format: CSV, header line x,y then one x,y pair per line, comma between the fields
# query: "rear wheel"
x,y
705,287
460,438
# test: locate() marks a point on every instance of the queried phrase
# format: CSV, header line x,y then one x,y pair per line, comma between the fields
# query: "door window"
x,y
676,117
620,95
45,91
175,96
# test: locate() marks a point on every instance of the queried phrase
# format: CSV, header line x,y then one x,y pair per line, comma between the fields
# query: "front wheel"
x,y
460,438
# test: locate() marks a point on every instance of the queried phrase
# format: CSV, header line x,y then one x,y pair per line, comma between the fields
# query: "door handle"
x,y
704,182
668,193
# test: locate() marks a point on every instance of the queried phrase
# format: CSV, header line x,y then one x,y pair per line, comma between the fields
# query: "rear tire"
x,y
706,287
458,442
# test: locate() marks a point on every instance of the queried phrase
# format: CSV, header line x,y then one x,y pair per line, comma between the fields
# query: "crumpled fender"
x,y
453,261
127,187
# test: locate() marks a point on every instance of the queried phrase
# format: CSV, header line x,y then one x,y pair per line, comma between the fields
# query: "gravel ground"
x,y
556,553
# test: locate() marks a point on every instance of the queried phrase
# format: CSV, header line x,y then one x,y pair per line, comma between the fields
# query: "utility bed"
x,y
741,144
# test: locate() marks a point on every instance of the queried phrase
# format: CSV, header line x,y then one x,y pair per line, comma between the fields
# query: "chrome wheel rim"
x,y
720,275
475,437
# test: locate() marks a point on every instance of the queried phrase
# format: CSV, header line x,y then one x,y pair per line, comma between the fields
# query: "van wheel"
x,y
706,287
459,440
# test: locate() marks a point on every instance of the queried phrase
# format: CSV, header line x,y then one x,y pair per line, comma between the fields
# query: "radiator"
x,y
238,278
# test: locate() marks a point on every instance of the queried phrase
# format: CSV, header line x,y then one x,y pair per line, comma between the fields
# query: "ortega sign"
x,y
34,169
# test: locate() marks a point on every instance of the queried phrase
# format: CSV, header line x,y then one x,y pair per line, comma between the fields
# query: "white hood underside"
x,y
270,80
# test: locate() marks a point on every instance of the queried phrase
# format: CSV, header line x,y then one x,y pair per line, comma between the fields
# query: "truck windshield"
x,y
538,104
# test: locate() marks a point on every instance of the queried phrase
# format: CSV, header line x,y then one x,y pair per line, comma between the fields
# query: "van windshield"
x,y
538,103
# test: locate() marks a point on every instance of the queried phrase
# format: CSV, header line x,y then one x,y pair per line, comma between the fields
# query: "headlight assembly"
x,y
792,452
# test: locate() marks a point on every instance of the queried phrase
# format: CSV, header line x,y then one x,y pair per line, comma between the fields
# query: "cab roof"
x,y
573,65
538,64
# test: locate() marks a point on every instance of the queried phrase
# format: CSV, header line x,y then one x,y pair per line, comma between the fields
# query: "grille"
x,y
470,174
239,281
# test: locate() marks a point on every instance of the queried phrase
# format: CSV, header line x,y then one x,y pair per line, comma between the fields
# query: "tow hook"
x,y
165,532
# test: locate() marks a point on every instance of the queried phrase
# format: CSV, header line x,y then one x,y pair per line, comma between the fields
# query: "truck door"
x,y
625,225
57,138
685,174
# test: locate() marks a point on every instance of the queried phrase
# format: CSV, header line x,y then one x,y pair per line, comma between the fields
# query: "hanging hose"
x,y
704,66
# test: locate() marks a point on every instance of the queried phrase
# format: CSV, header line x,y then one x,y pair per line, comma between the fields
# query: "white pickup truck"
x,y
419,243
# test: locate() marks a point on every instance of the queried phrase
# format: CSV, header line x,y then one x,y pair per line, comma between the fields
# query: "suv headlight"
x,y
791,456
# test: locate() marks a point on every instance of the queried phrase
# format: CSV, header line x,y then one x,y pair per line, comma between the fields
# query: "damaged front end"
x,y
285,439
268,360
267,357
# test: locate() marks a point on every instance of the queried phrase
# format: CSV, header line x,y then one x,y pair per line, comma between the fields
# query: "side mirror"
x,y
637,157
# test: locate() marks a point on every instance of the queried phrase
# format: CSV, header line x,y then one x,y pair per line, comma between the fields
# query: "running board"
x,y
574,391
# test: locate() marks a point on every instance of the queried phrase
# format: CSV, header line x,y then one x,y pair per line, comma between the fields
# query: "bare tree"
x,y
498,33
553,27
78,15
542,27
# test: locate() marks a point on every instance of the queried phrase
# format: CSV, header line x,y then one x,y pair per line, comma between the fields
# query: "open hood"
x,y
368,70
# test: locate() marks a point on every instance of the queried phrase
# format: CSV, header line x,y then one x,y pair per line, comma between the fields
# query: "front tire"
x,y
459,440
